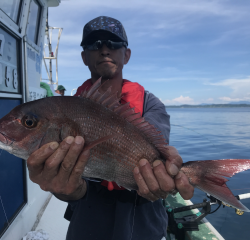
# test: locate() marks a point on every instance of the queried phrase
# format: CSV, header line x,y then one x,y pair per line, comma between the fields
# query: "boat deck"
x,y
52,220
206,230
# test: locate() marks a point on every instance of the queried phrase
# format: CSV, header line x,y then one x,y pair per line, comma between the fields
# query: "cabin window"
x,y
33,21
11,8
10,81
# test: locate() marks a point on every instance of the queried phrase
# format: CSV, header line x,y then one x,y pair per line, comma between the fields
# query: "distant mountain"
x,y
210,105
240,102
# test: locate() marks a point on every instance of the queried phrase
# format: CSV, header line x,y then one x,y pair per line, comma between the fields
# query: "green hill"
x,y
209,106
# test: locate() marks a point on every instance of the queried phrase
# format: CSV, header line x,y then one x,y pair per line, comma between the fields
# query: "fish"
x,y
117,136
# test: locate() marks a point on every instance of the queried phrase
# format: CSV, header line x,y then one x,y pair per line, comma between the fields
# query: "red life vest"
x,y
133,93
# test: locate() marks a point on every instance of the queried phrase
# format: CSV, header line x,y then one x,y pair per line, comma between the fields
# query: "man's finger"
x,y
35,162
185,189
164,180
143,188
77,171
174,161
70,159
53,163
149,178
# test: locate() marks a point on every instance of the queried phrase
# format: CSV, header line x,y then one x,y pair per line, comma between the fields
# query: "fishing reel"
x,y
214,200
179,225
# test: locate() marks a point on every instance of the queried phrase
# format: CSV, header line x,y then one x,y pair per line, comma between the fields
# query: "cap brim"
x,y
83,42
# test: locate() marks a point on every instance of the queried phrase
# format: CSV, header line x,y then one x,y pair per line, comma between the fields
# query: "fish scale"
x,y
118,138
117,152
115,159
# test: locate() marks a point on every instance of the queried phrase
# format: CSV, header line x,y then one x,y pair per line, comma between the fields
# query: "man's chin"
x,y
106,75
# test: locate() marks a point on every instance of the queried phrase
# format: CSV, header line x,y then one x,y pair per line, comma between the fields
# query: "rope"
x,y
4,211
193,131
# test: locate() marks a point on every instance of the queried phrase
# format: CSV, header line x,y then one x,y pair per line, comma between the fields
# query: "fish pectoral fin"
x,y
101,140
221,192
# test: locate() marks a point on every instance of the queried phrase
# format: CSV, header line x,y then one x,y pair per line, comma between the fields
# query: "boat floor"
x,y
52,220
206,230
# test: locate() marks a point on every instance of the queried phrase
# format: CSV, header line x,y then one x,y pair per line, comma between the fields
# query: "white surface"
x,y
36,93
244,196
53,221
25,220
37,235
53,90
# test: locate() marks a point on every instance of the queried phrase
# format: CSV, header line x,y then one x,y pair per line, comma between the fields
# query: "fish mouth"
x,y
5,140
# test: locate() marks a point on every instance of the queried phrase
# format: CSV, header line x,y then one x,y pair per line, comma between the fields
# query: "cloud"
x,y
190,43
240,87
171,16
240,32
178,101
182,99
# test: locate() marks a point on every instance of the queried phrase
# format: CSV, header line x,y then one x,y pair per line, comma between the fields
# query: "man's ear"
x,y
127,55
84,59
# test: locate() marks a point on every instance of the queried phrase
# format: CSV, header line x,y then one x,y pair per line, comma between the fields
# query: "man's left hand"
x,y
157,181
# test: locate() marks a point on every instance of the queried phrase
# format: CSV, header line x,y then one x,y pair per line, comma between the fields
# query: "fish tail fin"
x,y
209,176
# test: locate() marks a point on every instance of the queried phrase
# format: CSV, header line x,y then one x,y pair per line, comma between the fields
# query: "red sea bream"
x,y
118,139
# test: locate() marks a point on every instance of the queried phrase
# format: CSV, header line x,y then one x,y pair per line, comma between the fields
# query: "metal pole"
x,y
49,45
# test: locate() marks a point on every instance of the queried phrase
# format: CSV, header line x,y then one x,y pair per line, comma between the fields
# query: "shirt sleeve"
x,y
155,113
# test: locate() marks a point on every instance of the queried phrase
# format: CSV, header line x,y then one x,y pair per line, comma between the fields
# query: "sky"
x,y
184,52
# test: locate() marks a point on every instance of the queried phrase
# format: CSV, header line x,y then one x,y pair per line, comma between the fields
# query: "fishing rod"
x,y
190,129
179,225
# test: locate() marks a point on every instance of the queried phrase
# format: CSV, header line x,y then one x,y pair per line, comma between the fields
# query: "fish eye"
x,y
29,122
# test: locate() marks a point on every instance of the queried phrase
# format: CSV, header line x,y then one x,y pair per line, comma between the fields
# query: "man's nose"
x,y
105,51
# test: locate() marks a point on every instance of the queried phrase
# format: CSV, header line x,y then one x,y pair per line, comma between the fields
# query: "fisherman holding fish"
x,y
105,151
96,212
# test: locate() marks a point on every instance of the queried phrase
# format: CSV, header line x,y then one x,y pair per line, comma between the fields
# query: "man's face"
x,y
104,62
60,92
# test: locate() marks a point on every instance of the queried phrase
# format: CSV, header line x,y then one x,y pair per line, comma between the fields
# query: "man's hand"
x,y
58,168
157,182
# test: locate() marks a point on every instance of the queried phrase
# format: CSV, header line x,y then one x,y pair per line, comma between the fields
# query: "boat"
x,y
24,207
189,224
22,35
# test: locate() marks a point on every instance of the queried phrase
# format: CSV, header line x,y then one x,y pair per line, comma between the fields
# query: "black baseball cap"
x,y
104,23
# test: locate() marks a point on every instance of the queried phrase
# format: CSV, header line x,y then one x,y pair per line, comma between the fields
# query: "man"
x,y
98,213
60,89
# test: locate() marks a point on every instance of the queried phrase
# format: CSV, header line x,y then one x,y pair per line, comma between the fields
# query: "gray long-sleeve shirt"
x,y
101,215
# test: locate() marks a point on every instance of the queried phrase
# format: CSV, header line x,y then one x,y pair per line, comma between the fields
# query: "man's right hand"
x,y
58,168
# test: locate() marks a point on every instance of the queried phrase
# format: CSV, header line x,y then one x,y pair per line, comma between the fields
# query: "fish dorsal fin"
x,y
112,102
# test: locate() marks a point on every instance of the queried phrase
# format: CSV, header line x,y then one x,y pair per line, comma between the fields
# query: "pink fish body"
x,y
118,139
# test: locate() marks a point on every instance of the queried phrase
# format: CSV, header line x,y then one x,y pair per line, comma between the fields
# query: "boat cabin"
x,y
22,33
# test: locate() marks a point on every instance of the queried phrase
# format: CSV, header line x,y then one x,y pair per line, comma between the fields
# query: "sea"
x,y
216,133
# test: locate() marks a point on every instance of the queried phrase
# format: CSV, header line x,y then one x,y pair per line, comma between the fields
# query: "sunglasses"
x,y
110,44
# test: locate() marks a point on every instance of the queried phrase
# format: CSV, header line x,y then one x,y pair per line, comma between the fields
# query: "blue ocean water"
x,y
216,133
